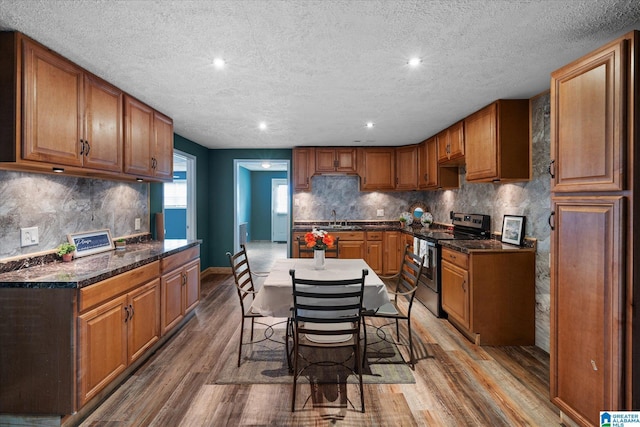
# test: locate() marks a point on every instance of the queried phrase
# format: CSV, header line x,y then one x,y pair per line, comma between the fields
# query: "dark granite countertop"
x,y
489,245
93,268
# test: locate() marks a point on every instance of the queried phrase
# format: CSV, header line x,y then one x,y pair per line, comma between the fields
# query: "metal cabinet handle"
x,y
86,153
552,226
127,315
552,172
132,311
82,147
464,282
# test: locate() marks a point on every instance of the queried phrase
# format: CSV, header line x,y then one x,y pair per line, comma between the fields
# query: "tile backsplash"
x,y
59,205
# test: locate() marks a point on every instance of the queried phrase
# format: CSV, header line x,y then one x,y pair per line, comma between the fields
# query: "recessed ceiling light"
x,y
370,125
266,165
262,125
414,62
219,63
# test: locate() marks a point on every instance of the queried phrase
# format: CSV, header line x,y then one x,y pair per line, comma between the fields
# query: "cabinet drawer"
x,y
374,235
179,259
456,258
349,235
114,286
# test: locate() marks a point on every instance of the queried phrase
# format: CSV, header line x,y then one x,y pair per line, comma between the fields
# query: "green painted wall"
x,y
221,184
260,225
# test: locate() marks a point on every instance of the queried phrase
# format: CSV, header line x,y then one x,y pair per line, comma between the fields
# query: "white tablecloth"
x,y
275,296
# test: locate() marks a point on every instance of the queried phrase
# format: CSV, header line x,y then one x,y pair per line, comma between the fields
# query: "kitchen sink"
x,y
343,227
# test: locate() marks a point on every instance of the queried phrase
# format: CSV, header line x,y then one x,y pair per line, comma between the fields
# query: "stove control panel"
x,y
478,222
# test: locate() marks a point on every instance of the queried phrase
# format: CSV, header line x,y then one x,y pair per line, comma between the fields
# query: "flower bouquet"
x,y
319,240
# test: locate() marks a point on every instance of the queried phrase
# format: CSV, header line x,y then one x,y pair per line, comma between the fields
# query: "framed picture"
x,y
91,242
513,229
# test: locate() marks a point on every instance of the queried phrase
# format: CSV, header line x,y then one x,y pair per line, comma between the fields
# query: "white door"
x,y
279,210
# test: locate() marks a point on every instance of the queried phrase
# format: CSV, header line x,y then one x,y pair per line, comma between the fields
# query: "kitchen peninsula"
x,y
73,331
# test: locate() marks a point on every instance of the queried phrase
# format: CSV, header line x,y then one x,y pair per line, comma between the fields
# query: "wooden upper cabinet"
x,y
497,144
163,154
138,136
589,122
148,141
53,89
71,118
342,160
451,144
407,167
377,168
303,168
431,175
103,115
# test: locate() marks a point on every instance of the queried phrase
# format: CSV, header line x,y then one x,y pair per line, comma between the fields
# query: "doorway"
x,y
253,180
279,210
179,199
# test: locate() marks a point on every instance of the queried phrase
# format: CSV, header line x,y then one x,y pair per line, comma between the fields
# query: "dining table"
x,y
275,297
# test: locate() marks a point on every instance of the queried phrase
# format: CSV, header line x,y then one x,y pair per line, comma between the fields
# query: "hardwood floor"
x,y
457,383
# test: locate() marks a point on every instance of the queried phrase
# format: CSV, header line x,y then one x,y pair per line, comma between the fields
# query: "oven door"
x,y
428,292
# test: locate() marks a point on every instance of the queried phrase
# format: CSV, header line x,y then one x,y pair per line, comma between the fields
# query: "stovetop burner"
x,y
465,227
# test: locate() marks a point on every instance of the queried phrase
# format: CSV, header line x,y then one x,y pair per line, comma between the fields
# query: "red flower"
x,y
318,239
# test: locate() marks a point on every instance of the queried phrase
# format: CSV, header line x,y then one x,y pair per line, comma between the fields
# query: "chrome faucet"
x,y
333,214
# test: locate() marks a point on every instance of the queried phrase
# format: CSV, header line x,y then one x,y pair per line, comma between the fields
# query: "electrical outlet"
x,y
380,212
29,236
137,224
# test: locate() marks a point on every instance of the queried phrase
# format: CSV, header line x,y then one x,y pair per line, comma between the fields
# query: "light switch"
x,y
380,212
137,224
29,236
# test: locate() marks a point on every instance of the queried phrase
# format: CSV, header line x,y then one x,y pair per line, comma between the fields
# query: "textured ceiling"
x,y
317,71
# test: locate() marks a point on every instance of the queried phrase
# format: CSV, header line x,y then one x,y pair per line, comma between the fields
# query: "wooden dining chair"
x,y
243,279
406,283
326,314
306,252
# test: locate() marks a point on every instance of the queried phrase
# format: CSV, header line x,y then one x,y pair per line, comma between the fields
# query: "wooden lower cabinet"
x,y
490,295
180,287
587,290
455,294
393,247
375,248
118,330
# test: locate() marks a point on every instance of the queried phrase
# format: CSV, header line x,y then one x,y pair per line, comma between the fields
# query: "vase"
x,y
318,259
67,257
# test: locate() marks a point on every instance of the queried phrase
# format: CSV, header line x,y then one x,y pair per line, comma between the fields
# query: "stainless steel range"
x,y
427,244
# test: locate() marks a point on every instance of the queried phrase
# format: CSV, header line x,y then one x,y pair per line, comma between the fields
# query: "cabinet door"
x,y
481,144
352,249
139,139
456,141
455,293
303,158
407,167
171,289
191,285
144,320
162,159
587,305
325,160
589,122
378,169
52,108
103,147
444,146
374,256
393,250
102,345
346,160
